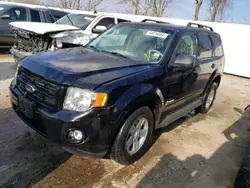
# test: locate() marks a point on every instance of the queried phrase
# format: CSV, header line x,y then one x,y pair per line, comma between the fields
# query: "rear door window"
x,y
35,16
205,46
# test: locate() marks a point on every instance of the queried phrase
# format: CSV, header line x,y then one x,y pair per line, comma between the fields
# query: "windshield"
x,y
143,43
79,20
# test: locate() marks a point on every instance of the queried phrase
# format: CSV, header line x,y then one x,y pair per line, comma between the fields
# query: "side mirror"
x,y
183,61
5,17
99,29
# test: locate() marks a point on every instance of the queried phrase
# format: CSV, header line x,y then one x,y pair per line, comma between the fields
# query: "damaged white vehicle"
x,y
69,31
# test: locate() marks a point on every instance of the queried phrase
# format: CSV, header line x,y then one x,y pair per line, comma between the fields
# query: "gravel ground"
x,y
195,151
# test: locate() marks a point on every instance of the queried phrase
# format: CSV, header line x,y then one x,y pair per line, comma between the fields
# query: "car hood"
x,y
81,67
42,28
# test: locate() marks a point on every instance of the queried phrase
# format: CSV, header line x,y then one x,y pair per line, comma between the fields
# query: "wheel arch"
x,y
150,97
217,80
215,77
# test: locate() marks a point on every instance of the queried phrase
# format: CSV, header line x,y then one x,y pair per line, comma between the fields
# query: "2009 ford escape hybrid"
x,y
110,96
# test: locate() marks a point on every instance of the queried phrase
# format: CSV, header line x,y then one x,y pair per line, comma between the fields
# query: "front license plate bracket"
x,y
26,107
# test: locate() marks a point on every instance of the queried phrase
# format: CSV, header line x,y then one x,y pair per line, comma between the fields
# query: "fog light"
x,y
78,135
75,136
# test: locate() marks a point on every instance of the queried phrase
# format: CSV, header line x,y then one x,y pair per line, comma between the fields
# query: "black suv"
x,y
109,96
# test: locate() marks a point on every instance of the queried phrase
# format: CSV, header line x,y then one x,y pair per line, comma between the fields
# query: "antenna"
x,y
50,13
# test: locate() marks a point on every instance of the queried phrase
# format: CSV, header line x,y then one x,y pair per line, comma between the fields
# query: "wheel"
x,y
134,137
208,100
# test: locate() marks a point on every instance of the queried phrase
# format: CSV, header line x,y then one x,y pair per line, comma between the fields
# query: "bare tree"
x,y
147,7
36,2
197,9
218,8
91,4
159,7
135,4
87,5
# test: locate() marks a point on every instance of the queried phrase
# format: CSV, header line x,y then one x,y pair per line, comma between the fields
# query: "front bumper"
x,y
19,55
98,125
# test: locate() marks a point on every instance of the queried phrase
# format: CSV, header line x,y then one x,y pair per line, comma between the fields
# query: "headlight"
x,y
85,40
60,35
81,100
14,79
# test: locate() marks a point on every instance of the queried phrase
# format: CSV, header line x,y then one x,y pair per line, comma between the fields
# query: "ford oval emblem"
x,y
30,88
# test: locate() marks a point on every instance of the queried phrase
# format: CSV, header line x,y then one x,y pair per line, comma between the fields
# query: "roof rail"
x,y
199,26
156,21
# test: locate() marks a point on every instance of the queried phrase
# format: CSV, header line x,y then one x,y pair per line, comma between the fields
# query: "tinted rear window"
x,y
205,46
218,49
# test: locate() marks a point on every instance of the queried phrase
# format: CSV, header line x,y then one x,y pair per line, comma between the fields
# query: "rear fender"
x,y
210,81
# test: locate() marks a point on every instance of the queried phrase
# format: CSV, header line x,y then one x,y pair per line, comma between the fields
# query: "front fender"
x,y
141,95
138,91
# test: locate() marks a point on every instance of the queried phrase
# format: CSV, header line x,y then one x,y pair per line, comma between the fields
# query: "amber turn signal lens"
x,y
100,99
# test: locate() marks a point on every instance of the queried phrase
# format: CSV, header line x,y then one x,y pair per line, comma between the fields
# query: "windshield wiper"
x,y
115,53
93,47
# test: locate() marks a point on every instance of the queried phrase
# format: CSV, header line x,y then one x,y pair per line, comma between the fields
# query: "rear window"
x,y
218,49
35,16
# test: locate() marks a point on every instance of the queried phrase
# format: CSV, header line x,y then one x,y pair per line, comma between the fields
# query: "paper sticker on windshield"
x,y
157,34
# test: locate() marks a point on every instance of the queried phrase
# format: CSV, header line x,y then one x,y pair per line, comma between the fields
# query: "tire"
x,y
121,151
204,108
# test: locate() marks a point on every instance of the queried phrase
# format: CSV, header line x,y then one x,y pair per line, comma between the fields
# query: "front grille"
x,y
26,45
45,93
30,42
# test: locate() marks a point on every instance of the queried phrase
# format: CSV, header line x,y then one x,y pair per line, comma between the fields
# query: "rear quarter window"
x,y
205,48
218,48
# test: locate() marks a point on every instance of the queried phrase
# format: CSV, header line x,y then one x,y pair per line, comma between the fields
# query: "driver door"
x,y
182,83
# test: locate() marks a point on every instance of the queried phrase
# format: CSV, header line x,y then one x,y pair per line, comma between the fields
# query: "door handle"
x,y
213,65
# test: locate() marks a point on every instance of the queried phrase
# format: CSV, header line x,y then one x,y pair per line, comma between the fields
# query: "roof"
x,y
178,28
45,7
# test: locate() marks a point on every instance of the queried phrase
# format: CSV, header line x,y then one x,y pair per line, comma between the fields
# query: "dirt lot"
x,y
196,151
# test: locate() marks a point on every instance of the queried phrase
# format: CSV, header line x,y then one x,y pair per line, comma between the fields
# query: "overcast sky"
x,y
184,9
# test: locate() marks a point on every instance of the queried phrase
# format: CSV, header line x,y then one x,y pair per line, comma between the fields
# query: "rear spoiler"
x,y
199,26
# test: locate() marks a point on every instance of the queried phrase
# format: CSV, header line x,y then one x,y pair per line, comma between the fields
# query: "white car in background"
x,y
72,30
